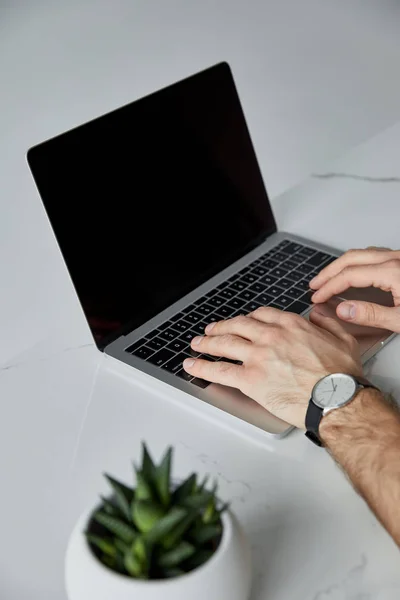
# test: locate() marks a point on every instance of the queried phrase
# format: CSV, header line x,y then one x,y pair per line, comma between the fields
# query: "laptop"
x,y
162,217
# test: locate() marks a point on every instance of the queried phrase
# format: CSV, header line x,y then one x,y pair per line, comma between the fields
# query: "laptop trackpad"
x,y
367,337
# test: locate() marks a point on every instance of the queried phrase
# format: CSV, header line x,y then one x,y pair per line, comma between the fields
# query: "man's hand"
x,y
378,267
283,356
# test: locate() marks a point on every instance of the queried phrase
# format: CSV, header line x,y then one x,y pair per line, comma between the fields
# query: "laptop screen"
x,y
152,199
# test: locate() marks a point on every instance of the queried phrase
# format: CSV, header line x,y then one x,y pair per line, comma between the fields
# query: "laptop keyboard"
x,y
279,279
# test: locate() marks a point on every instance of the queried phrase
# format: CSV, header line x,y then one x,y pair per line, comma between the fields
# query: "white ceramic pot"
x,y
226,576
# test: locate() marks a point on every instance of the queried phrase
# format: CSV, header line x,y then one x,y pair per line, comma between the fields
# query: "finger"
x,y
249,329
328,323
227,345
272,316
368,256
381,276
368,313
217,372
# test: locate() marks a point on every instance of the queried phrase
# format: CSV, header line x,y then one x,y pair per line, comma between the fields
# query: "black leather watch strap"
x,y
313,419
314,415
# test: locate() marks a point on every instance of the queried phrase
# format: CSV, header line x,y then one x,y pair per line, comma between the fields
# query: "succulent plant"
x,y
157,529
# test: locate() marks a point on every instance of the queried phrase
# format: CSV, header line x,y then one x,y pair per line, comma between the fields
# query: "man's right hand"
x,y
377,267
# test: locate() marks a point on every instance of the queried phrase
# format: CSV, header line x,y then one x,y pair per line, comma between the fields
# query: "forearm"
x,y
364,438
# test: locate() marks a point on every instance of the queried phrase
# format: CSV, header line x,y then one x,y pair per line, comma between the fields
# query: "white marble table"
x,y
68,415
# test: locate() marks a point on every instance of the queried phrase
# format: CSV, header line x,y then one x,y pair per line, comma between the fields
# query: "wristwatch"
x,y
329,393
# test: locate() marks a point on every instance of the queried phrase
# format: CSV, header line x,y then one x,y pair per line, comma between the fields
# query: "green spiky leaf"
x,y
177,555
122,530
210,511
123,495
186,488
179,531
165,525
202,535
199,501
134,566
121,546
162,478
148,467
105,545
143,488
146,513
202,485
139,549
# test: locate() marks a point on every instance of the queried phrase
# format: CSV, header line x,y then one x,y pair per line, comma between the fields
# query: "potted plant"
x,y
159,540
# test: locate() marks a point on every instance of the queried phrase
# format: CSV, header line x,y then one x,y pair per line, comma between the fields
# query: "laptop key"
x,y
280,256
308,251
303,285
135,346
161,357
297,307
177,345
307,297
279,272
169,334
283,301
259,271
152,334
175,364
165,325
238,286
217,301
251,306
275,291
188,336
318,259
294,293
202,383
199,328
194,317
184,375
264,299
294,276
249,278
176,317
227,293
205,309
305,268
156,343
269,264
292,248
285,283
236,303
224,312
289,265
257,287
181,326
247,295
143,352
268,280
310,276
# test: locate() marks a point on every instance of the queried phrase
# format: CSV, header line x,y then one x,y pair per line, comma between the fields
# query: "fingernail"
x,y
188,362
209,327
314,296
196,340
346,311
313,282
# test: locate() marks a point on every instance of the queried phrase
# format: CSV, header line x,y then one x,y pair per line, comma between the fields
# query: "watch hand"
x,y
333,387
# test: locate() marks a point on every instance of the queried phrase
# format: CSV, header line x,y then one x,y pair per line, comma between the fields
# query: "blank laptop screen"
x,y
152,199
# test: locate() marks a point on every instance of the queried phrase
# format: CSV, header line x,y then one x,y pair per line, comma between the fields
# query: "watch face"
x,y
334,390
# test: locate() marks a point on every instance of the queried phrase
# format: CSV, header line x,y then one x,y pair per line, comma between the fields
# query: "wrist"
x,y
358,420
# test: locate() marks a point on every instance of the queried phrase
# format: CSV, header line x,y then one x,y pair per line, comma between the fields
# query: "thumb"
x,y
368,313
